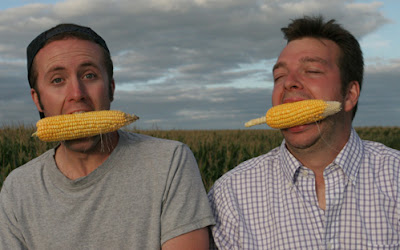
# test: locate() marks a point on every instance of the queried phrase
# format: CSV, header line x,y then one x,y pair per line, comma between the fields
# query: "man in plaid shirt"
x,y
324,187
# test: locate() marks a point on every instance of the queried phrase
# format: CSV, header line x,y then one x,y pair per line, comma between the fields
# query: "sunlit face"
x,y
71,77
307,69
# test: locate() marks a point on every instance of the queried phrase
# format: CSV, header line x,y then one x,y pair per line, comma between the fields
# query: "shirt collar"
x,y
349,159
289,163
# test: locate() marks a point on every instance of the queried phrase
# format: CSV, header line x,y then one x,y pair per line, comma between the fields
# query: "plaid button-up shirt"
x,y
270,202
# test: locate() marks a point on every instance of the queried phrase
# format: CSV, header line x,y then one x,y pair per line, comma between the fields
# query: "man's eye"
x,y
277,78
313,71
90,76
56,80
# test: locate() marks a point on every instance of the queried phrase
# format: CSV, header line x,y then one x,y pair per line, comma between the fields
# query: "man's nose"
x,y
292,81
77,90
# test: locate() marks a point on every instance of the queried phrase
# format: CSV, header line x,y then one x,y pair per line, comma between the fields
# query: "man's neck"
x,y
75,163
317,158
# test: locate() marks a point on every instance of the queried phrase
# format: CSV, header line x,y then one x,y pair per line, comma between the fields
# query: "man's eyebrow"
x,y
313,59
62,68
306,59
55,69
89,64
278,65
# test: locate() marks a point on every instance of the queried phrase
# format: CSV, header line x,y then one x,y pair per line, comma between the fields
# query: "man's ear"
x,y
352,95
36,100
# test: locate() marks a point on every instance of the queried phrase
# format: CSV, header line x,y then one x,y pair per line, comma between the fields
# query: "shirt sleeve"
x,y
10,235
225,231
185,205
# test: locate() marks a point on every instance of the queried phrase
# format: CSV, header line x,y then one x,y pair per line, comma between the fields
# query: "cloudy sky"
x,y
199,64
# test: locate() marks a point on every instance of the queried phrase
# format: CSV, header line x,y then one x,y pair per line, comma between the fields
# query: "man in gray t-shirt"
x,y
117,190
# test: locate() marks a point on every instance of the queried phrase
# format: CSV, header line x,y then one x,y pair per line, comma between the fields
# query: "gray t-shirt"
x,y
148,191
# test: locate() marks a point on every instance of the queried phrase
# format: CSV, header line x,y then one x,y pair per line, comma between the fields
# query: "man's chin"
x,y
83,145
302,136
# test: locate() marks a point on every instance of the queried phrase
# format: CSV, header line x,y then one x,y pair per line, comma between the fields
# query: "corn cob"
x,y
297,113
74,126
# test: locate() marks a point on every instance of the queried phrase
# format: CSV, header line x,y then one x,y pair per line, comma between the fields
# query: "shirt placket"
x,y
306,188
335,184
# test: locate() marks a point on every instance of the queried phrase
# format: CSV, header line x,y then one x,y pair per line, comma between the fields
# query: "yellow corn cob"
x,y
74,126
297,113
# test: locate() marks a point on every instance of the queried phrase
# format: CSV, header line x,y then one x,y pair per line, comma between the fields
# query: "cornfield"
x,y
216,151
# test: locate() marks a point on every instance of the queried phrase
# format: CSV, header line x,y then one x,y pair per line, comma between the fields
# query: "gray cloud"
x,y
176,61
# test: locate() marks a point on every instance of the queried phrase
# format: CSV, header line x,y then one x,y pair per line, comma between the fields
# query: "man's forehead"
x,y
306,51
70,46
61,55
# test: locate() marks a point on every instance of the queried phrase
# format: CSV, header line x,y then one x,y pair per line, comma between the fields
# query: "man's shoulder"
x,y
148,147
380,150
142,139
27,171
